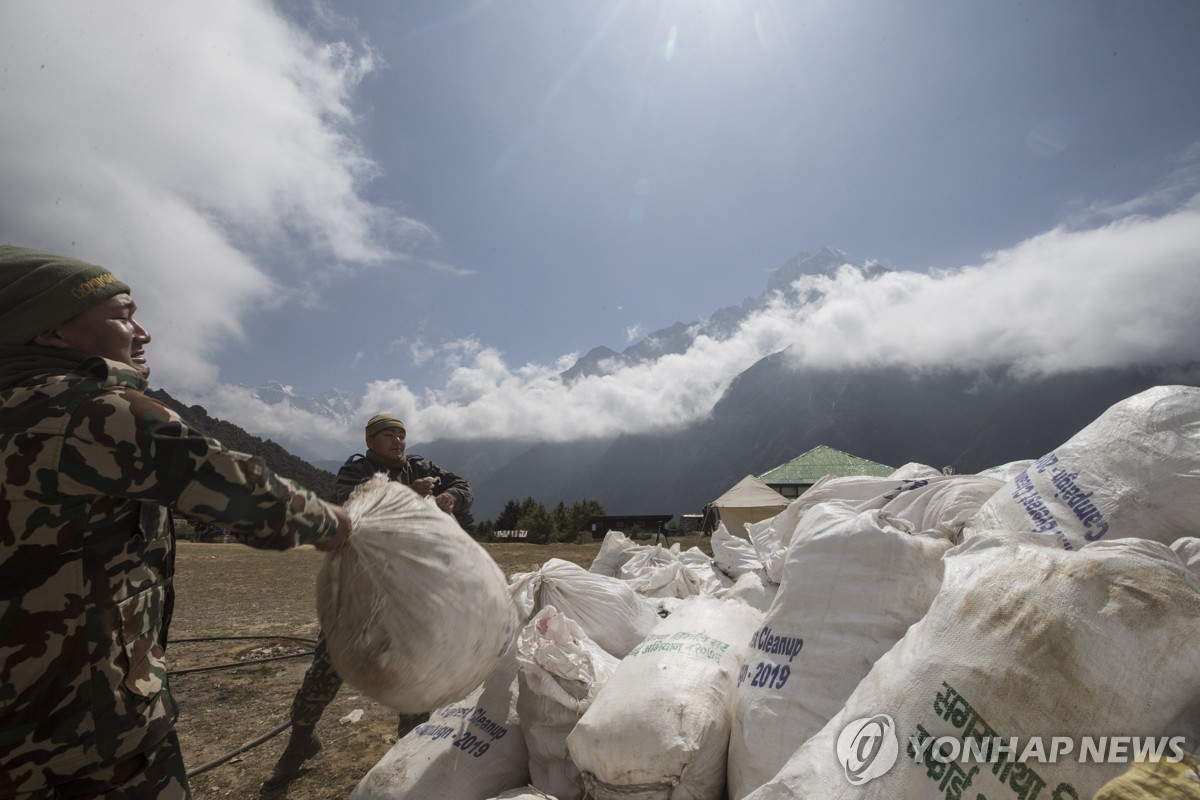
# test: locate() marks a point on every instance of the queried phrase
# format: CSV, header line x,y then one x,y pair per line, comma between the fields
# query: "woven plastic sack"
x,y
733,555
612,614
471,748
524,793
1133,472
560,672
415,613
944,504
852,584
754,589
771,537
659,727
1156,779
1188,550
1024,641
615,550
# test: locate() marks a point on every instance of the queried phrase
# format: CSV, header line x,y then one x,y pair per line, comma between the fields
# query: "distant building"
x,y
793,478
510,535
646,523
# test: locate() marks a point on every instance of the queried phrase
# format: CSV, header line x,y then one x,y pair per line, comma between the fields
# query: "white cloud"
x,y
1120,294
201,150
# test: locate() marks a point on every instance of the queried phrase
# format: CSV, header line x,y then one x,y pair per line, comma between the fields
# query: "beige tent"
x,y
750,500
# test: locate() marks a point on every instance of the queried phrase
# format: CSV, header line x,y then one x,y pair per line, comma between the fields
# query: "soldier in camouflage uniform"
x,y
385,438
91,467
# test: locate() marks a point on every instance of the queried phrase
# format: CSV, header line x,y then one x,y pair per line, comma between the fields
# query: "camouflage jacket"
x,y
359,467
90,467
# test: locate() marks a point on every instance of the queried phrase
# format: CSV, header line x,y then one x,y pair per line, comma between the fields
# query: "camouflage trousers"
x,y
321,684
156,774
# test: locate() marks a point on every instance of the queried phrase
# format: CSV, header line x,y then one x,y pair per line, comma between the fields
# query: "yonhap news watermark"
x,y
869,747
1050,749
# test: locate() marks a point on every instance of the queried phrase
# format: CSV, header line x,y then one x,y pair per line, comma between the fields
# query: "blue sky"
x,y
435,206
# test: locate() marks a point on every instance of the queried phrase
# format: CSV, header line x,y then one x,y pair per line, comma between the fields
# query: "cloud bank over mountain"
x,y
1121,293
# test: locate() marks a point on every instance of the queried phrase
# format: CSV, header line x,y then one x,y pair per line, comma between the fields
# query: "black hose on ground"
x,y
216,762
232,664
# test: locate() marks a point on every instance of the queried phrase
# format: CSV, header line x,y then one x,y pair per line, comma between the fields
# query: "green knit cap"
x,y
38,290
381,422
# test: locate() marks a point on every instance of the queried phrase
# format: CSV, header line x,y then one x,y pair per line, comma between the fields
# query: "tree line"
x,y
563,523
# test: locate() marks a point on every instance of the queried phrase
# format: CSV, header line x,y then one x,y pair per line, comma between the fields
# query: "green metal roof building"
x,y
793,478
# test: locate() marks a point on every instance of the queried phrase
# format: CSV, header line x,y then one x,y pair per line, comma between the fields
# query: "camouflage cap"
x,y
381,422
38,290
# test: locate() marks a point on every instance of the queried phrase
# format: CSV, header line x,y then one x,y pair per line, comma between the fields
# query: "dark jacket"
x,y
359,468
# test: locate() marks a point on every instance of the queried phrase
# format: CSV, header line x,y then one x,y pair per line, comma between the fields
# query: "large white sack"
x,y
733,555
754,589
560,672
468,750
659,572
615,550
655,572
1026,641
415,613
659,728
612,614
853,583
524,793
1007,472
914,469
944,504
1133,472
1188,550
772,537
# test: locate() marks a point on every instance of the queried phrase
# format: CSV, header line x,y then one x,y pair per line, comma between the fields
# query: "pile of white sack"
x,y
1020,633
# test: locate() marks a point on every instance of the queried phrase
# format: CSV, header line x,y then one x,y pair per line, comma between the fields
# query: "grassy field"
x,y
229,590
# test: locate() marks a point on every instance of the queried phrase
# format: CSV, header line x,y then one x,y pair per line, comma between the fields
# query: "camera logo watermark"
x,y
868,748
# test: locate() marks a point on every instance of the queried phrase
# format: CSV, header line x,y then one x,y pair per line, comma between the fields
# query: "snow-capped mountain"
x,y
723,323
336,404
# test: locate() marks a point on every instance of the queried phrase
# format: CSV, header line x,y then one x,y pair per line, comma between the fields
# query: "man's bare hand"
x,y
445,502
343,531
423,486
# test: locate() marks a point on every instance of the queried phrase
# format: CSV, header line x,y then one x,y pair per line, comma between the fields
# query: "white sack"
x,y
524,793
1188,550
660,726
754,589
914,470
657,572
772,537
468,750
944,504
1007,472
560,672
612,614
1024,640
852,585
615,550
415,613
733,555
1133,472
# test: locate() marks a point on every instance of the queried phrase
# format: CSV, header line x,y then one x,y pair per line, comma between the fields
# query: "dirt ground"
x,y
229,590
